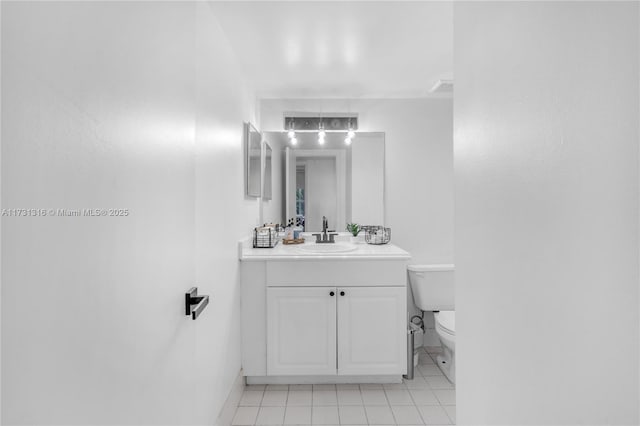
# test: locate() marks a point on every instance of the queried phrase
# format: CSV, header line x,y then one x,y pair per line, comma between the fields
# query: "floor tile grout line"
x,y
392,415
453,422
389,404
424,422
366,416
261,399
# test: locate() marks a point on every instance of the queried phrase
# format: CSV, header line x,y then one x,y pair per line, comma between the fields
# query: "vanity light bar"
x,y
329,123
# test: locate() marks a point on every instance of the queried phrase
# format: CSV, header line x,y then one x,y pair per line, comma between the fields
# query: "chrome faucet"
x,y
326,237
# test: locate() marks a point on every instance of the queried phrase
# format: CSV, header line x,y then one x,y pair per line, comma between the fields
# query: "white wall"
x,y
223,214
546,162
105,105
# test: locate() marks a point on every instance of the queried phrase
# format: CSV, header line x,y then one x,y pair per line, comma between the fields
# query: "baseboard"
x,y
317,380
229,408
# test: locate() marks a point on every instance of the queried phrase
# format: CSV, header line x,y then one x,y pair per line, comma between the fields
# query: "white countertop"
x,y
363,251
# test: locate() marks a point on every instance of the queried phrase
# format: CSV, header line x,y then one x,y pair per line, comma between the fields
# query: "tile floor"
x,y
428,399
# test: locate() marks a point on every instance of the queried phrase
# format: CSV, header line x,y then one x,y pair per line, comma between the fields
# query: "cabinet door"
x,y
372,330
301,330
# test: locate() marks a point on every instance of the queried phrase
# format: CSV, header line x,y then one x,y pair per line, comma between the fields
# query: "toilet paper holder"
x,y
194,304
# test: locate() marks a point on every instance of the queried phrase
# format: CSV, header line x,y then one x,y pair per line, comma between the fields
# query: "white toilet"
x,y
433,290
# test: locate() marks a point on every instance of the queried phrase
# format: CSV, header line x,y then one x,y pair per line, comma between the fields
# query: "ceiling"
x,y
340,49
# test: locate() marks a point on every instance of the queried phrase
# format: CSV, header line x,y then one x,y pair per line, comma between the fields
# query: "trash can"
x,y
412,352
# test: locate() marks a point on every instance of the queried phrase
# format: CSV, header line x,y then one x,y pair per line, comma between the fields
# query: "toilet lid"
x,y
447,320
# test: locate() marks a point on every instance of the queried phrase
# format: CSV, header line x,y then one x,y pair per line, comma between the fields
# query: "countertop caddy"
x,y
324,313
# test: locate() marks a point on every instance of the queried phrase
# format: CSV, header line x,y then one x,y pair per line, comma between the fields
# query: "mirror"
x,y
253,170
343,182
267,171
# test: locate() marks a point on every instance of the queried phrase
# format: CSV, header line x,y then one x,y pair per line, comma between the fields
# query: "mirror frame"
x,y
247,132
267,167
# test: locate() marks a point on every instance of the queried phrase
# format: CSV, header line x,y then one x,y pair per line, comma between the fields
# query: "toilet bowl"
x,y
446,329
433,291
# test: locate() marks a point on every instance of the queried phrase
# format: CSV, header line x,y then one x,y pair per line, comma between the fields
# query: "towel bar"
x,y
191,298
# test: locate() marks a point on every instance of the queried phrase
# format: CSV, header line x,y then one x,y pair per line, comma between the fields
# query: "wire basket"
x,y
377,235
265,237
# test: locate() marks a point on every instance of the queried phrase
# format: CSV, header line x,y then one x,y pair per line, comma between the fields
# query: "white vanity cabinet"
x,y
372,330
301,330
336,330
331,319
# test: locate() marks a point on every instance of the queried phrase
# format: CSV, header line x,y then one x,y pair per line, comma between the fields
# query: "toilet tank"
x,y
432,287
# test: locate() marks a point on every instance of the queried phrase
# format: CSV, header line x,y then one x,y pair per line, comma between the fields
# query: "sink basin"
x,y
327,248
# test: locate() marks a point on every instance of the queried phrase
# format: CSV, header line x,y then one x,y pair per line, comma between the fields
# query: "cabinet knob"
x,y
332,294
342,293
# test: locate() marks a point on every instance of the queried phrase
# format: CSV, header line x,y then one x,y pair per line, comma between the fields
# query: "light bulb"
x,y
291,134
294,141
347,140
351,134
321,140
322,134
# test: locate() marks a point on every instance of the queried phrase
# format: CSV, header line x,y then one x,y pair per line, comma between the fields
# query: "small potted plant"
x,y
354,229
